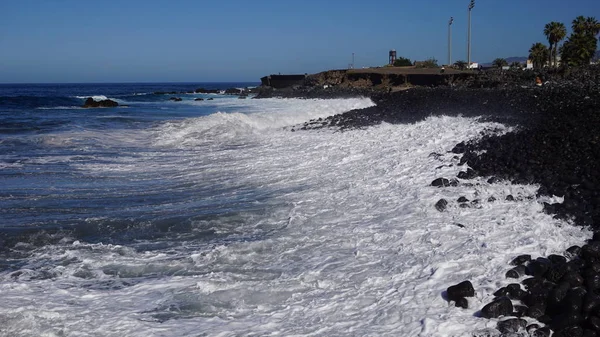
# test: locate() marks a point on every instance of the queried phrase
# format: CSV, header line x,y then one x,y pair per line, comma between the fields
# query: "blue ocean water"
x,y
45,139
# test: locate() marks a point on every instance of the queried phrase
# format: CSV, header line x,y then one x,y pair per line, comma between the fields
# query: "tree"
x,y
555,32
516,65
499,62
538,54
580,47
402,62
429,63
460,64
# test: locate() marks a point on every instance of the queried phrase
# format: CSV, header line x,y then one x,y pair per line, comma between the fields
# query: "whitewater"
x,y
241,227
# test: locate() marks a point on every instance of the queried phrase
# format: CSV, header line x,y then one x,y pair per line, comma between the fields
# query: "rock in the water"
x,y
462,303
460,290
521,259
175,99
441,205
541,332
500,307
516,272
511,325
440,182
106,103
199,99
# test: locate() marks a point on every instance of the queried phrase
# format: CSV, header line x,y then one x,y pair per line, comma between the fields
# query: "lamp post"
x,y
471,5
450,41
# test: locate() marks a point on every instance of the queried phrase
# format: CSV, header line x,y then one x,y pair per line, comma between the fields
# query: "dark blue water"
x,y
47,142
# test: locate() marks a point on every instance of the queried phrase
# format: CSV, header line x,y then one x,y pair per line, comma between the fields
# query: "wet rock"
x,y
511,325
175,99
537,268
563,321
519,310
594,323
441,205
591,250
536,311
462,199
462,303
500,307
521,259
468,174
199,99
106,103
516,272
460,290
573,278
591,302
557,259
541,332
440,182
509,198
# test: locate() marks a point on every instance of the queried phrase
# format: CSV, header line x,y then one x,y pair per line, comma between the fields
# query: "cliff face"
x,y
382,78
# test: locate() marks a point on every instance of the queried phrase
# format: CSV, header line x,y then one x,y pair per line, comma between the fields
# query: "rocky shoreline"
x,y
556,145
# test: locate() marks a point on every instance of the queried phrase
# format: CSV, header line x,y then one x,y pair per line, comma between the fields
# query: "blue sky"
x,y
231,40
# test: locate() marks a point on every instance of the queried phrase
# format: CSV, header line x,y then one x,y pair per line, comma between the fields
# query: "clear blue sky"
x,y
232,40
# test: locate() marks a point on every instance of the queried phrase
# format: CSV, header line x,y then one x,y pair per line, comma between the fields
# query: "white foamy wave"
x,y
255,117
95,97
359,248
60,107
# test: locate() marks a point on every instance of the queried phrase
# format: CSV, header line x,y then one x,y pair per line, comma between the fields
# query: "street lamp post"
x,y
450,41
471,5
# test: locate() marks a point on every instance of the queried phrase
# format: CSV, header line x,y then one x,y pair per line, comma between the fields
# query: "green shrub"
x,y
402,62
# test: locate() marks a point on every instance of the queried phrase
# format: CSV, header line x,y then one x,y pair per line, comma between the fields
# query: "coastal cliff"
x,y
373,81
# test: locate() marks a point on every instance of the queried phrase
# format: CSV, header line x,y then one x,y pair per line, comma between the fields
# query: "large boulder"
x,y
105,103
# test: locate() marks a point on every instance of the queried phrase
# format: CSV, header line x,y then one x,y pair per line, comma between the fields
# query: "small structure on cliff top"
x,y
392,57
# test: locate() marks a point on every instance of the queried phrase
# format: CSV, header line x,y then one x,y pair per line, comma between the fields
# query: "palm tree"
x,y
460,64
499,62
555,32
538,54
592,26
579,49
579,25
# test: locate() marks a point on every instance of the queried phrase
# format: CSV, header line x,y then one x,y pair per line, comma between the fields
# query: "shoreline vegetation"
x,y
556,145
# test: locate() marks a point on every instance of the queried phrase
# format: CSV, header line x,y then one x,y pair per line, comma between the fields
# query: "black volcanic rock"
x,y
500,307
106,103
206,91
441,205
463,289
440,182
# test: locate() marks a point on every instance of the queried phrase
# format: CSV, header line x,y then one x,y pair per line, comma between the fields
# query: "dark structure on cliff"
x,y
282,81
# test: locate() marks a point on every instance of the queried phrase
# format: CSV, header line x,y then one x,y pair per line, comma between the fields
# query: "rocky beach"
x,y
555,145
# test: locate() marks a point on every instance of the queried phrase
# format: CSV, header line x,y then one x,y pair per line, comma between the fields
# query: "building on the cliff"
x,y
392,56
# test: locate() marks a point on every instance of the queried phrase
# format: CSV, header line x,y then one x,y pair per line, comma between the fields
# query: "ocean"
x,y
221,218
